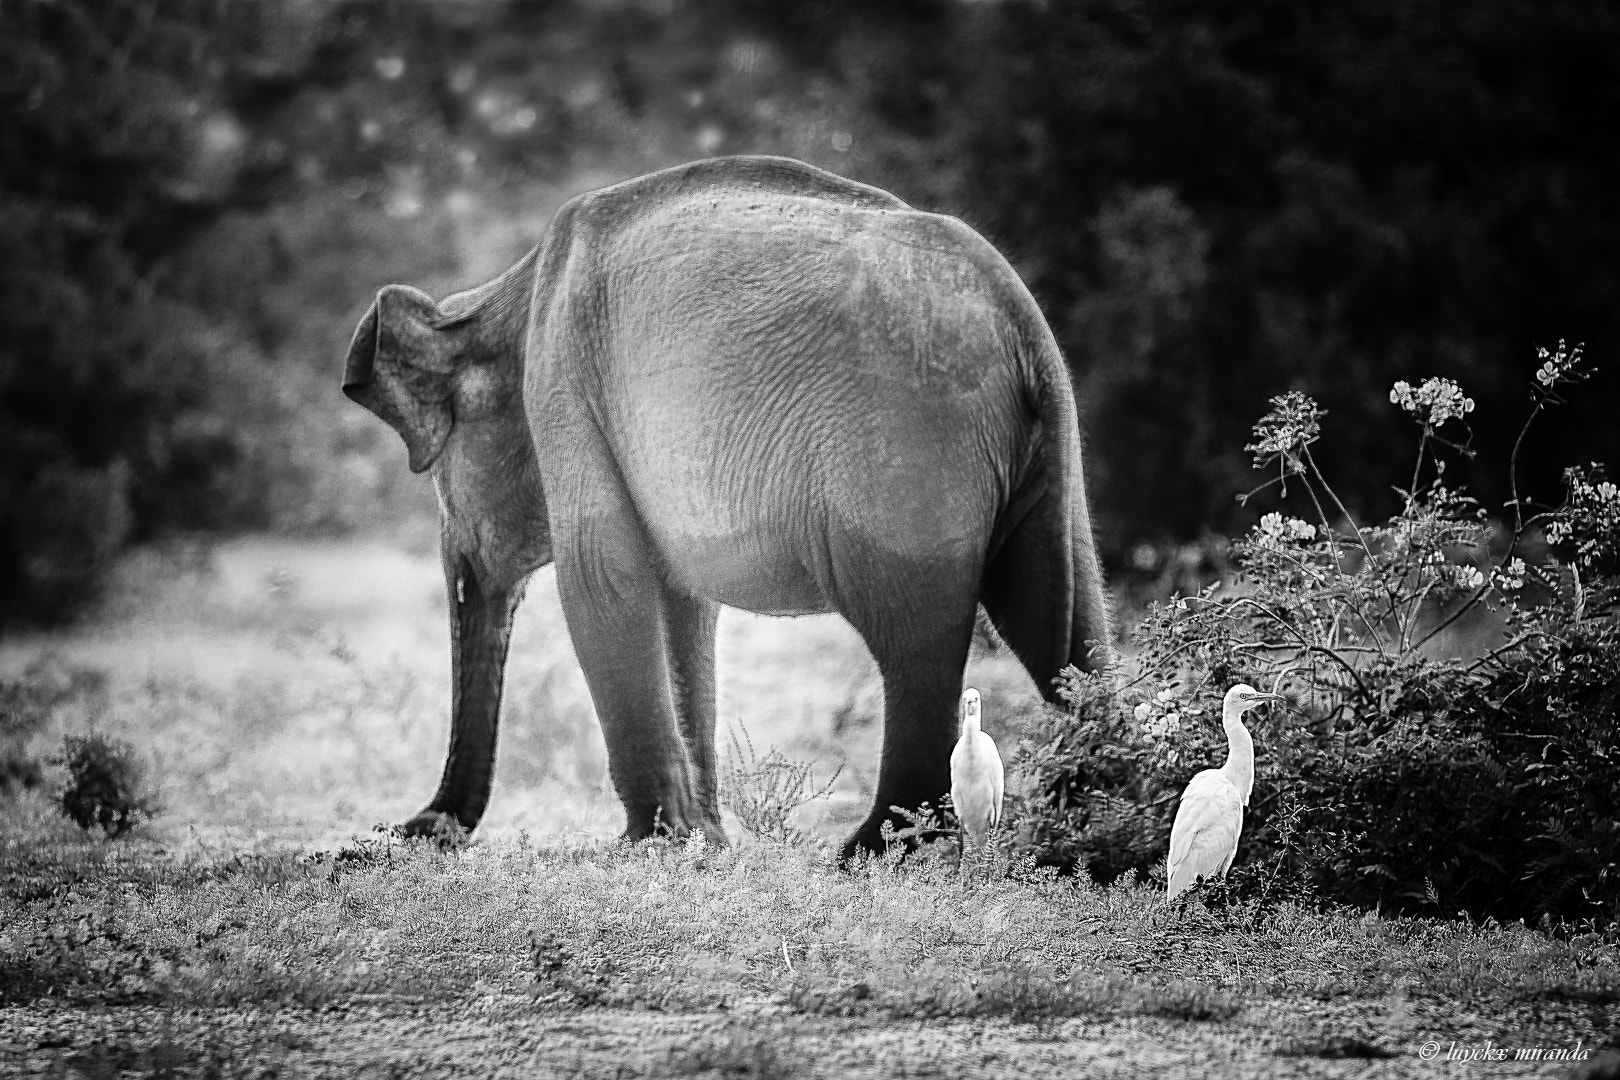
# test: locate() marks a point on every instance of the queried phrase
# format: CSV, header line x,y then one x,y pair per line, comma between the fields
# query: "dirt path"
x,y
506,1038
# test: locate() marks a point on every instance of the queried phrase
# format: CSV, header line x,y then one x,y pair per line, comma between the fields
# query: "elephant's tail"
x,y
1090,636
1043,585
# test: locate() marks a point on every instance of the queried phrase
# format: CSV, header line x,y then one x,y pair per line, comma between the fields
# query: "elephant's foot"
x,y
865,842
436,825
872,839
674,826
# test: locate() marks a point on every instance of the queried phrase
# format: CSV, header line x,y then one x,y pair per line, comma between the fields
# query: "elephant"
x,y
741,381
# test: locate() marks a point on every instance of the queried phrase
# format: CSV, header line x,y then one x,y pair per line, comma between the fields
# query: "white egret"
x,y
977,780
1204,838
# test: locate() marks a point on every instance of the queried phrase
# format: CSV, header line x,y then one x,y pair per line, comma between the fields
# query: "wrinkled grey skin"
x,y
742,381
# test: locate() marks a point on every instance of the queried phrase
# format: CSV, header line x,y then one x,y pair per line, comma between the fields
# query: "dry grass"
x,y
295,696
303,689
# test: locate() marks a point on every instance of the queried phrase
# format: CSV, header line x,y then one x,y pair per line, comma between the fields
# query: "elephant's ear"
x,y
401,366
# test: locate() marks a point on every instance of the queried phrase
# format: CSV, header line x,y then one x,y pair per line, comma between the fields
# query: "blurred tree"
x,y
1387,191
101,394
1212,202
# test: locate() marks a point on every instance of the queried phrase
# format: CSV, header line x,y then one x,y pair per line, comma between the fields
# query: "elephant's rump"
x,y
799,387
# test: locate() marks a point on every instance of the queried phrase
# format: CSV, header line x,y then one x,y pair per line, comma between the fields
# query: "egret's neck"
x,y
970,721
1239,767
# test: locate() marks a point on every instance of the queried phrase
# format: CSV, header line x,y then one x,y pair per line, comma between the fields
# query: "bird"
x,y
977,780
1204,838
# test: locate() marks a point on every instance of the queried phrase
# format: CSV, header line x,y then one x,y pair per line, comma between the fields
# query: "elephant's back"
x,y
758,280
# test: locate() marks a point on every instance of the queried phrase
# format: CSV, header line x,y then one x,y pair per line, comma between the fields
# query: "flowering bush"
x,y
1588,524
1407,776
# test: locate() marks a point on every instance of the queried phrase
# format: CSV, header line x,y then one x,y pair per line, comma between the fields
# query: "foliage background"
x,y
1212,203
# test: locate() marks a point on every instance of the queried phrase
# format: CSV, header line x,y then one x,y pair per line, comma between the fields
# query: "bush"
x,y
1399,775
106,784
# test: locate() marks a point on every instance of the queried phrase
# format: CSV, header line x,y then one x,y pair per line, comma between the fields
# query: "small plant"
x,y
106,785
765,791
915,837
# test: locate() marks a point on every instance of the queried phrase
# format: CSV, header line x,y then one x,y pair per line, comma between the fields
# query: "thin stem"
x,y
1417,469
1513,476
1349,519
1409,620
1284,623
1275,647
1303,567
1494,653
1323,650
1372,627
1454,616
1157,664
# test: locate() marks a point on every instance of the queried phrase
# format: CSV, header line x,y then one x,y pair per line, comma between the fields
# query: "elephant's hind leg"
x,y
919,634
691,627
619,614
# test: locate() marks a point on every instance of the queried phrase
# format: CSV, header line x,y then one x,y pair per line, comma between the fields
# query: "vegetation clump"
x,y
106,786
1413,768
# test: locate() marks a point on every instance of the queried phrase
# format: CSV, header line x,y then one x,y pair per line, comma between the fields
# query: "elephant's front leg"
x,y
618,612
480,634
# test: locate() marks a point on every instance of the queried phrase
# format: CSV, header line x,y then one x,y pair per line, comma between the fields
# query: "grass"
x,y
682,926
257,925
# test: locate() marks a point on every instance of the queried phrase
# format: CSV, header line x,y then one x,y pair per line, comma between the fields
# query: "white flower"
x,y
1163,727
1510,577
1142,712
1559,366
1275,530
1469,577
1293,423
1433,403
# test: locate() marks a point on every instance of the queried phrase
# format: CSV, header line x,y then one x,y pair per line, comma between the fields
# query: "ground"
x,y
291,696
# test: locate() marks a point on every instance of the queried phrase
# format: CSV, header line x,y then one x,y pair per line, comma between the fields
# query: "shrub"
x,y
1398,775
106,784
28,706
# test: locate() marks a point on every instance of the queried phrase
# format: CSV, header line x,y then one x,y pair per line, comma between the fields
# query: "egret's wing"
x,y
961,772
1204,838
977,784
998,780
961,777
